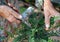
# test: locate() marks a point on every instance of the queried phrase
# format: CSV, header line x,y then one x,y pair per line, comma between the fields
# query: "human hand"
x,y
9,14
49,12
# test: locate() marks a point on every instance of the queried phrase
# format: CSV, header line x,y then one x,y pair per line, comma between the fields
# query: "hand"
x,y
49,12
9,14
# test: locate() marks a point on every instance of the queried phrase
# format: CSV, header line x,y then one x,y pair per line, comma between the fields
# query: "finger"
x,y
47,18
12,19
5,13
9,17
15,14
47,22
10,11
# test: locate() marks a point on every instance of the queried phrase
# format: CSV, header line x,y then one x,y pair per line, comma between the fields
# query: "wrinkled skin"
x,y
49,12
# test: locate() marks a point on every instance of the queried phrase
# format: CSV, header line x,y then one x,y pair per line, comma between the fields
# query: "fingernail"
x,y
20,17
47,25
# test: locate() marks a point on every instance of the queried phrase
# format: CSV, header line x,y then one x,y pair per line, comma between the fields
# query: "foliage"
x,y
36,33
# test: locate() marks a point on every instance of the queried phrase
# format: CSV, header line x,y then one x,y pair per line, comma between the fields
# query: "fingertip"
x,y
47,25
20,16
